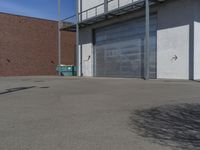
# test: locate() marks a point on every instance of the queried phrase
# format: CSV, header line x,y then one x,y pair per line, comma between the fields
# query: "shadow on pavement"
x,y
16,89
44,87
177,126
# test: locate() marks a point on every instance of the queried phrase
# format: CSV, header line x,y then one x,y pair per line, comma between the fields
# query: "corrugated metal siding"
x,y
119,49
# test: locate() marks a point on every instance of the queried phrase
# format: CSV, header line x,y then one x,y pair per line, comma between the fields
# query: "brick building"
x,y
28,46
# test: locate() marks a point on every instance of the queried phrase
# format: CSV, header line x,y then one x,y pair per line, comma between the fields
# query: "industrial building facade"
x,y
29,46
112,39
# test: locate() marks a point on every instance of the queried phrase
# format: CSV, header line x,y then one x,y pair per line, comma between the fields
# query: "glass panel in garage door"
x,y
119,50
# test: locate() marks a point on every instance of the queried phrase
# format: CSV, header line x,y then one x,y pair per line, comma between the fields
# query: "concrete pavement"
x,y
53,113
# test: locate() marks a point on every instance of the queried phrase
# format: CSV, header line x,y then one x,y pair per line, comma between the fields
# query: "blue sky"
x,y
46,9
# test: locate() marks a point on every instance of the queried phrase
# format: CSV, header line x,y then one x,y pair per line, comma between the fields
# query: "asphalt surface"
x,y
53,113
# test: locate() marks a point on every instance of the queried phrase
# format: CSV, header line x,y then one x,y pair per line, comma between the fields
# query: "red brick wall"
x,y
28,46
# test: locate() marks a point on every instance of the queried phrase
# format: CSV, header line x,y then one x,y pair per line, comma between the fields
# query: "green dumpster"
x,y
67,70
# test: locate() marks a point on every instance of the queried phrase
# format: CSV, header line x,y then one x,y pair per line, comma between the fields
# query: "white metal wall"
x,y
196,50
173,53
115,4
175,39
88,4
86,48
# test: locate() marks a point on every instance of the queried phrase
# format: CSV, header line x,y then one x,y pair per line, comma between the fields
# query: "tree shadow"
x,y
177,126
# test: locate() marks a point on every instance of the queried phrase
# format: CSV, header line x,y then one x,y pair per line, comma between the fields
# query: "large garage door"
x,y
119,49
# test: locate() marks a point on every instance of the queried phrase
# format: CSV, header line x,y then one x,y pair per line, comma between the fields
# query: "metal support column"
x,y
78,52
81,6
59,34
147,39
105,6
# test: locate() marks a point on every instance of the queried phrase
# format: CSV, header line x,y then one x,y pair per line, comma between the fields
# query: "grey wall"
x,y
197,41
177,35
174,38
179,21
196,50
86,40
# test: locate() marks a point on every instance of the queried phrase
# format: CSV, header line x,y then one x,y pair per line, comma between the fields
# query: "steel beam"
x,y
147,39
59,34
78,51
105,6
81,9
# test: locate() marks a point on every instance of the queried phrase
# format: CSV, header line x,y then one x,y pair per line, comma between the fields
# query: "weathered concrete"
x,y
82,114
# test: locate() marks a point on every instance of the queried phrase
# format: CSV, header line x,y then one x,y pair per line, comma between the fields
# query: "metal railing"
x,y
110,5
68,23
99,9
71,19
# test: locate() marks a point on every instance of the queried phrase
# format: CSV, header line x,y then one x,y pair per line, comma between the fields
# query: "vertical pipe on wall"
x,y
59,34
147,39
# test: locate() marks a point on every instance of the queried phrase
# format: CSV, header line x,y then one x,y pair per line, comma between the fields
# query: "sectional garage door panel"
x,y
118,59
119,49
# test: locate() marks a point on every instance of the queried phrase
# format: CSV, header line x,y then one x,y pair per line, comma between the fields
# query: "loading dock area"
x,y
168,43
50,113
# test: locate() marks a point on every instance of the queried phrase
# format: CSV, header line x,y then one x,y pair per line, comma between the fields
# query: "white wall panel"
x,y
88,4
172,43
196,50
87,60
86,47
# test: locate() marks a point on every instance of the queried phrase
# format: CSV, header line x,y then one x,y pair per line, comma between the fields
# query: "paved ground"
x,y
52,113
